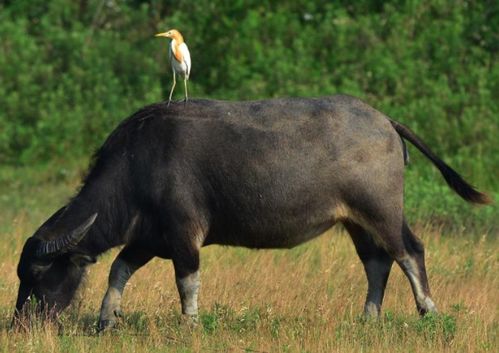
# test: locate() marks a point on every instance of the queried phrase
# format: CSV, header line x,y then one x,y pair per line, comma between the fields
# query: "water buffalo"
x,y
262,174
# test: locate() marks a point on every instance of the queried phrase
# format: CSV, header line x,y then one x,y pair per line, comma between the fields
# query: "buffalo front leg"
x,y
186,263
377,265
185,229
125,264
187,280
188,287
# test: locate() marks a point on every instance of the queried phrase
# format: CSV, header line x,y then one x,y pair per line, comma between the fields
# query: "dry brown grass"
x,y
303,300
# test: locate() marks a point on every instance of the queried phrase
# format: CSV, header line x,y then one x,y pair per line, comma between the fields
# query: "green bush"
x,y
71,70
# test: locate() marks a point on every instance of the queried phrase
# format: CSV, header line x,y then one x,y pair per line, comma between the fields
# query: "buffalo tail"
x,y
453,179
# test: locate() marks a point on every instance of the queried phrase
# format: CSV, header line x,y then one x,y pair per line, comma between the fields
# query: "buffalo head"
x,y
51,270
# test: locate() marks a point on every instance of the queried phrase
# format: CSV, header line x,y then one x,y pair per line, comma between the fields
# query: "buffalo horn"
x,y
68,241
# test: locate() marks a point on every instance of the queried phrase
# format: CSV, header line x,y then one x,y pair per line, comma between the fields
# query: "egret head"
x,y
172,33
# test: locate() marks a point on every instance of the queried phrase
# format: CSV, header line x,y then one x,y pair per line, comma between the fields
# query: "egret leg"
x,y
185,88
173,87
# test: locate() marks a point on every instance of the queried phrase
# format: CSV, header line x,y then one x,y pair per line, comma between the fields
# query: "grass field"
x,y
307,299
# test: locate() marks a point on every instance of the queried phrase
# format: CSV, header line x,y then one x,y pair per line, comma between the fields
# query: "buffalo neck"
x,y
107,199
102,194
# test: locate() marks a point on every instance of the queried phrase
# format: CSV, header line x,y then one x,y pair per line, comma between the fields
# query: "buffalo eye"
x,y
39,269
82,260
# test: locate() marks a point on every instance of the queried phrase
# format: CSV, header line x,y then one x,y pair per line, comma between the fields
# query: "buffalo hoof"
x,y
191,321
107,324
372,311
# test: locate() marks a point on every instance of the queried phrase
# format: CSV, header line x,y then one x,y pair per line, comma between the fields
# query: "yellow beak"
x,y
161,34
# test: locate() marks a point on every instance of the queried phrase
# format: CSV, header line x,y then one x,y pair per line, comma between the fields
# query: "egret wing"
x,y
186,56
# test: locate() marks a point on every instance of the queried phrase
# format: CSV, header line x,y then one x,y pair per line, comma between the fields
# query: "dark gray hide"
x,y
263,174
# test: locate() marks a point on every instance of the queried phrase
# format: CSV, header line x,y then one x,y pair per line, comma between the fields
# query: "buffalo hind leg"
x,y
377,265
413,265
408,251
126,263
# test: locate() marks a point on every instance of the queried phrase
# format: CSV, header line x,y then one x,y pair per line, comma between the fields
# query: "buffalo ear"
x,y
82,260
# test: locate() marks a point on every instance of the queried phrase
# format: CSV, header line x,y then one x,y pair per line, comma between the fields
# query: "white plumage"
x,y
183,68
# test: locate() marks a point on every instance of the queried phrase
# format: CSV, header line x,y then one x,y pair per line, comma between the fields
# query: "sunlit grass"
x,y
308,299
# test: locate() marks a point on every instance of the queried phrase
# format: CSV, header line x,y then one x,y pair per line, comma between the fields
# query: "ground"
x,y
308,299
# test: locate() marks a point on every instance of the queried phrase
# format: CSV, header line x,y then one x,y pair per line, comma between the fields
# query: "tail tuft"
x,y
462,187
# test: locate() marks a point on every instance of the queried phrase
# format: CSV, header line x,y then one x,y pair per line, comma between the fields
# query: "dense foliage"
x,y
71,70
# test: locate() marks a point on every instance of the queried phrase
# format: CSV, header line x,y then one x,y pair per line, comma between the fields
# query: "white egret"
x,y
180,59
